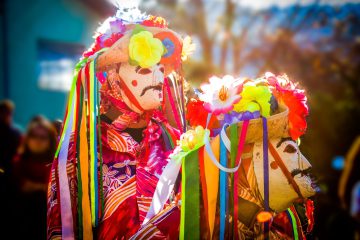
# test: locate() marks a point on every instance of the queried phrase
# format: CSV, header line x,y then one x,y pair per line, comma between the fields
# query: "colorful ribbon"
x,y
291,217
236,174
212,179
190,202
223,189
163,189
266,174
172,104
62,156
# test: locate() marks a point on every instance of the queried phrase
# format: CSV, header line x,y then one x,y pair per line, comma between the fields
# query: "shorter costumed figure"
x,y
243,175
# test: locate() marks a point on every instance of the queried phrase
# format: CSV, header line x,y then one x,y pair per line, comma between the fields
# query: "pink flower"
x,y
221,94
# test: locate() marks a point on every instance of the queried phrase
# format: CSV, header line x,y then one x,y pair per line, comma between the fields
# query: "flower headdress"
x,y
139,39
235,100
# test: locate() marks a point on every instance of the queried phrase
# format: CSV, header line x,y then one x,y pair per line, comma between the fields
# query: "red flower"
x,y
102,41
197,115
112,39
155,21
286,92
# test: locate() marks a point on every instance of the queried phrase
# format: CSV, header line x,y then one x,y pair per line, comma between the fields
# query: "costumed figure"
x,y
116,140
243,175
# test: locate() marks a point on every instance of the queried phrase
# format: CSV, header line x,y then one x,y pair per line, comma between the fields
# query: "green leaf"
x,y
132,62
138,28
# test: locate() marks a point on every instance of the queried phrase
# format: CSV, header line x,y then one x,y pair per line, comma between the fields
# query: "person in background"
x,y
58,124
10,138
31,170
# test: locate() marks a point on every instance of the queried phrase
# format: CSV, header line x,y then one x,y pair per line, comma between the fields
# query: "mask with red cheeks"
x,y
141,88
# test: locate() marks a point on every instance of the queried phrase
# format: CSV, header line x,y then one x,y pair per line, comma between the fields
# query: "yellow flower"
x,y
188,48
193,139
254,98
145,49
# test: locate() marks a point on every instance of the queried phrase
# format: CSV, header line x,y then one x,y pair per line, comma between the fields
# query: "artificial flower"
x,y
106,39
117,26
254,98
188,48
197,115
145,50
193,139
155,21
288,93
220,95
235,117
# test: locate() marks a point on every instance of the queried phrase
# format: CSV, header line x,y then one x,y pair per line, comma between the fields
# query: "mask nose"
x,y
304,163
159,74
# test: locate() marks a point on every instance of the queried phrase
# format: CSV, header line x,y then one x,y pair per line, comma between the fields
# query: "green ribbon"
x,y
190,202
234,141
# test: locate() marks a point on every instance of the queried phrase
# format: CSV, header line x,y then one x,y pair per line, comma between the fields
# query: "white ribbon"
x,y
65,202
163,188
210,152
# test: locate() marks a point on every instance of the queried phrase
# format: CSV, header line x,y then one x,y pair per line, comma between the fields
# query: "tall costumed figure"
x,y
116,138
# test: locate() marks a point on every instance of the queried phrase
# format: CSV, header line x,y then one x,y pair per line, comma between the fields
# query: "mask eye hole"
x,y
290,149
144,71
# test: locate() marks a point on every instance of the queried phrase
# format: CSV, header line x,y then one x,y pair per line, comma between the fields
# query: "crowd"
x,y
25,164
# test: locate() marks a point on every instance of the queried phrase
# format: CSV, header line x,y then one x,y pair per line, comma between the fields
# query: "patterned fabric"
x,y
131,171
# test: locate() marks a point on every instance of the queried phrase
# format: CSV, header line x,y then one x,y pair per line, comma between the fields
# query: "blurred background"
x,y
316,43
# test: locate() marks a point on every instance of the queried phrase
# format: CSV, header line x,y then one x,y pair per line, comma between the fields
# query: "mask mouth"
x,y
307,173
155,87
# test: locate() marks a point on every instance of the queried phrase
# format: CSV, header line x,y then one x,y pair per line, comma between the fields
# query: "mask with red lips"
x,y
142,88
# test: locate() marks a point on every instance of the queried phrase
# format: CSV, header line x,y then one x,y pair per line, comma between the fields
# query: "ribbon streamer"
x,y
190,203
65,201
266,174
223,184
236,174
163,189
62,155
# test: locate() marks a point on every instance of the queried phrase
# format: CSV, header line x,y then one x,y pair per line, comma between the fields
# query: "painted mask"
x,y
141,88
281,192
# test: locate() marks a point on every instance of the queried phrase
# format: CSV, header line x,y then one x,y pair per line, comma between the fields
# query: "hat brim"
x,y
278,126
119,51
